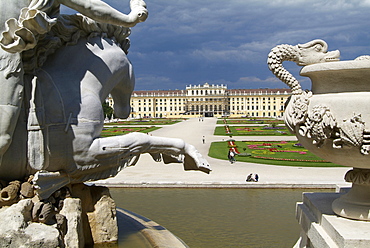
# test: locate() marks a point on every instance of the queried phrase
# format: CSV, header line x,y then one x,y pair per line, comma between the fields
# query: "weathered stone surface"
x,y
41,235
27,190
98,213
72,211
7,240
103,222
16,231
10,192
15,217
90,217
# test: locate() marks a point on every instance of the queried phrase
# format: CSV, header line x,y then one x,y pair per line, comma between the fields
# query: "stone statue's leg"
x,y
134,144
8,118
11,94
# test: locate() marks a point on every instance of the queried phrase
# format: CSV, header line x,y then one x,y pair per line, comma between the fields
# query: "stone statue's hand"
x,y
156,157
139,11
140,14
194,160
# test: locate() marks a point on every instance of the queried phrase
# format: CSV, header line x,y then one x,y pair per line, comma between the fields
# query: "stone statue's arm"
x,y
102,12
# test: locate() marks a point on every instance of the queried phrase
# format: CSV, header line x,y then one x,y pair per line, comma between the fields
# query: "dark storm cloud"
x,y
192,42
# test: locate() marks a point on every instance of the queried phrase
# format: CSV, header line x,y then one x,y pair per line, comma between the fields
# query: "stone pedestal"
x,y
356,203
322,228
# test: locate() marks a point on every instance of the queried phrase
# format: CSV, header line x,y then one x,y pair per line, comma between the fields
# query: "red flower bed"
x,y
278,147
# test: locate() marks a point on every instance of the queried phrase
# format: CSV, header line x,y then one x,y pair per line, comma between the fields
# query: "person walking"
x,y
231,157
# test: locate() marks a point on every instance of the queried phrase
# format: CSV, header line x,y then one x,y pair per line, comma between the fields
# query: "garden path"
x,y
223,174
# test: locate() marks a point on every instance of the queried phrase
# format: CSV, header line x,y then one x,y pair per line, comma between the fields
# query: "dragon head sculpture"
x,y
312,52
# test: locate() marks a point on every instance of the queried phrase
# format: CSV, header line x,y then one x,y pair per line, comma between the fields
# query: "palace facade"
x,y
208,100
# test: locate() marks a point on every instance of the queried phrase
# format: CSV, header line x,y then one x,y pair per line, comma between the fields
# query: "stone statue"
x,y
55,73
22,25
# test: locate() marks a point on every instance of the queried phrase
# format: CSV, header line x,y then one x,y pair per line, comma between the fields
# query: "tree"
x,y
108,111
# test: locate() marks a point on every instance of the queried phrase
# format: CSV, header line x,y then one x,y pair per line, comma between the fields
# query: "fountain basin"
x,y
138,231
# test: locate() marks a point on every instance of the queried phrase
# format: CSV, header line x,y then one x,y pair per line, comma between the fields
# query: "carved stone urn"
x,y
332,120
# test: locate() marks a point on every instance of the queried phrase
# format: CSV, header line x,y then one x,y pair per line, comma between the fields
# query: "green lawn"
x,y
147,121
113,131
250,121
284,153
252,130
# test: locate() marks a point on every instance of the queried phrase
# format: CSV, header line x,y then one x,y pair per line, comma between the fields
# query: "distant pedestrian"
x,y
249,178
204,139
256,177
231,156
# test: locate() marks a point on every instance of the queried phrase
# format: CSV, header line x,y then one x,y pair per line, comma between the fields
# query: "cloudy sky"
x,y
187,42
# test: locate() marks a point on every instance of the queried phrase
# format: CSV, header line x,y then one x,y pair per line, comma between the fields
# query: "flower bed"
x,y
250,121
287,159
283,153
274,128
251,131
277,150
